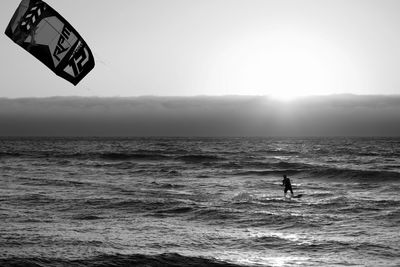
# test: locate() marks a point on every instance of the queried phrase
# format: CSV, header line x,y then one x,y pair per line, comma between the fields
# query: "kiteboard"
x,y
288,196
298,196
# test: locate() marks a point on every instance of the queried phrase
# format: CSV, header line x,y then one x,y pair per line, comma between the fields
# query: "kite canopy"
x,y
44,33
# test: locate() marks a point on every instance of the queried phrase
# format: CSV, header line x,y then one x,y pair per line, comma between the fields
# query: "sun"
x,y
284,64
297,68
284,97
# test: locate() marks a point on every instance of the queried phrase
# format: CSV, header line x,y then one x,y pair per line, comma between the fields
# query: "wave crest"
x,y
162,260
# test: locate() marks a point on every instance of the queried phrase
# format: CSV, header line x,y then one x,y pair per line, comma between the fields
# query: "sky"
x,y
283,48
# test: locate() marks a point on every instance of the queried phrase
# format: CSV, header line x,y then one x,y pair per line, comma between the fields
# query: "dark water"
x,y
199,202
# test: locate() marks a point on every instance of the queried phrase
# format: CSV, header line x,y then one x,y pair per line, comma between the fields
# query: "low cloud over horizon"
x,y
337,115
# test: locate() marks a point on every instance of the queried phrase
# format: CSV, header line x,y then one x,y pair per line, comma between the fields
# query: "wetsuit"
x,y
287,184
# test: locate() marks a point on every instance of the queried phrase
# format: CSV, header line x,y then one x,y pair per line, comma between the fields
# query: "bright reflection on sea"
x,y
266,256
261,259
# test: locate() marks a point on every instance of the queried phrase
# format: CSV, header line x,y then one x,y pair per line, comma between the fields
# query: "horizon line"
x,y
197,96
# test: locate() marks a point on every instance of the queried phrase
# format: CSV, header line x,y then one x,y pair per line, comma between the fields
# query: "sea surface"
x,y
199,202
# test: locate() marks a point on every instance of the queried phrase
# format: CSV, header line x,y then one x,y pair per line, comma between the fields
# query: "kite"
x,y
44,33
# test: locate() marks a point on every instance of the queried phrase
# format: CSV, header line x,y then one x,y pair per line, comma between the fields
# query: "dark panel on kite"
x,y
41,31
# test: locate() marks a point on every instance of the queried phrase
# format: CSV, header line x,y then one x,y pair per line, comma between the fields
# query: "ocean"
x,y
199,202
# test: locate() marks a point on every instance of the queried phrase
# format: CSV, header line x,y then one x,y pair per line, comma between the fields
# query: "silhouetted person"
x,y
287,184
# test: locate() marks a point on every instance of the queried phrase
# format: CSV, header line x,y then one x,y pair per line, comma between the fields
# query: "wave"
x,y
167,185
148,206
51,182
33,199
215,215
280,165
329,246
127,156
334,245
278,152
317,172
124,165
243,197
139,155
266,172
269,241
175,210
119,156
161,260
195,158
10,154
392,217
354,175
270,168
281,222
86,217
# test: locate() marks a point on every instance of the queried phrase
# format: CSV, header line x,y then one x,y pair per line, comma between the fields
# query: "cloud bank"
x,y
338,115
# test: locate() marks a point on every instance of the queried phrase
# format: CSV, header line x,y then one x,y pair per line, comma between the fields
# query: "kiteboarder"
x,y
287,184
